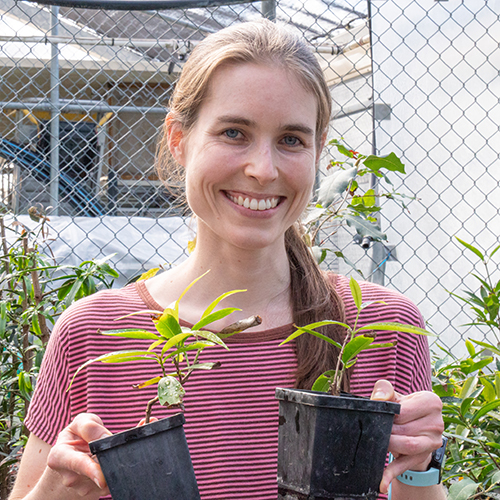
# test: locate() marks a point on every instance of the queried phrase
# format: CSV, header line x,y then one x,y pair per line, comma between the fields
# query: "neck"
x,y
264,273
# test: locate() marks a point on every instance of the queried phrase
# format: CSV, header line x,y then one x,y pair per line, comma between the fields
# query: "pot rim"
x,y
344,401
137,433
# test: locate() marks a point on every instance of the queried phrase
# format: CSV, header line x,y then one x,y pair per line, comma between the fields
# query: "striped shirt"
x,y
231,413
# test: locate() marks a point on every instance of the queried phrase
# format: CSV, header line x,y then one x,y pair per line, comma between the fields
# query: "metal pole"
x,y
55,114
269,9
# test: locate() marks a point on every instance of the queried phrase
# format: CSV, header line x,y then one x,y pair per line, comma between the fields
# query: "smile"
x,y
254,204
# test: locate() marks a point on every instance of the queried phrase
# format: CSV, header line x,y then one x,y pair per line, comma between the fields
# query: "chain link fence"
x,y
84,92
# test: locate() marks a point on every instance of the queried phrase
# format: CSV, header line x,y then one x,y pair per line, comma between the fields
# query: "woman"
x,y
247,125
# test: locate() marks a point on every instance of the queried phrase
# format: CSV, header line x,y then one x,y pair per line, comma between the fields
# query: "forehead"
x,y
259,89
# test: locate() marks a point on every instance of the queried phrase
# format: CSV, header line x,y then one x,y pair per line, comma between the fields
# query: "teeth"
x,y
254,204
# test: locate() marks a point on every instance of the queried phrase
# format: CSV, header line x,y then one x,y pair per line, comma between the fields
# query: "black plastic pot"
x,y
331,447
150,462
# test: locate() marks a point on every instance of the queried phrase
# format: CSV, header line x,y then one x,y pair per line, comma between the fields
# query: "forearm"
x,y
50,487
402,491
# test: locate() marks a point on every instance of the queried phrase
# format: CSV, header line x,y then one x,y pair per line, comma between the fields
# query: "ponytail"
x,y
313,299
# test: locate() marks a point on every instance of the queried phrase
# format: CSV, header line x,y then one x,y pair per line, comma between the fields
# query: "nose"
x,y
261,164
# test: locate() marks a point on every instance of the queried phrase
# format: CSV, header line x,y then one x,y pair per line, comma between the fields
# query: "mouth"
x,y
254,203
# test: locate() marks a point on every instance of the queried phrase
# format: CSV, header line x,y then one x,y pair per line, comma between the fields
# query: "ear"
x,y
321,146
175,138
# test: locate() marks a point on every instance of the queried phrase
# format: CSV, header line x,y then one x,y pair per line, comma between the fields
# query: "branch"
x,y
242,324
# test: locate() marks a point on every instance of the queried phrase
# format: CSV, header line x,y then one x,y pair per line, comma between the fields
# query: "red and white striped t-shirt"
x,y
231,413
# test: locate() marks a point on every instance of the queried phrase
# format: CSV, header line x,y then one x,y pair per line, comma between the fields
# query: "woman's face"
x,y
250,158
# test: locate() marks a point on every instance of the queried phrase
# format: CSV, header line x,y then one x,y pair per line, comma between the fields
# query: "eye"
x,y
291,140
232,133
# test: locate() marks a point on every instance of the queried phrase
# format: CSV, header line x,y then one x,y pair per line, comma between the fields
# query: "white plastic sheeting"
x,y
136,244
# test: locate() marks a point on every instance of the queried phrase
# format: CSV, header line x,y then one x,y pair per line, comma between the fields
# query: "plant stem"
x,y
339,369
148,408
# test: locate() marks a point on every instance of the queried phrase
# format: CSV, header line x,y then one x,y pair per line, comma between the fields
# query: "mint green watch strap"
x,y
425,478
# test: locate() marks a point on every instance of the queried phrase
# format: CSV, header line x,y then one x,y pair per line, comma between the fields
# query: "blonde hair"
x,y
313,296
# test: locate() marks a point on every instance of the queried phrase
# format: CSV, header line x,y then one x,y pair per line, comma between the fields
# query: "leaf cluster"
x,y
357,339
339,198
34,291
175,348
470,391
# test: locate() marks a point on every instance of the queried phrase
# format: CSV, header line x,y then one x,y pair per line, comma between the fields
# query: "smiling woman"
x,y
247,124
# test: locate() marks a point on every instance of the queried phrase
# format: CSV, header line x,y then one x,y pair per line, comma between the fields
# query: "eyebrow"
x,y
293,127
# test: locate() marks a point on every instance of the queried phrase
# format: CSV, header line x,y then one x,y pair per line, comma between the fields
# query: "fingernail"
x,y
96,481
378,394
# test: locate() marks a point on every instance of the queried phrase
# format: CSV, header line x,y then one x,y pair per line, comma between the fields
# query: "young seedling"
x,y
175,348
356,340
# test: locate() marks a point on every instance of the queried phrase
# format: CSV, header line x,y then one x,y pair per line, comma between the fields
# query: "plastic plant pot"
x,y
331,447
148,462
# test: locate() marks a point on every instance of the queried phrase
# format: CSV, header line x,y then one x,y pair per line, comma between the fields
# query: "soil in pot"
x,y
331,447
148,462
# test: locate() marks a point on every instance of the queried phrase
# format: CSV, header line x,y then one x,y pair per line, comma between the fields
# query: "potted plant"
x,y
333,444
153,461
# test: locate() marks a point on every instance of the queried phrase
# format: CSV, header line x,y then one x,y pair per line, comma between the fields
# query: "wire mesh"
x,y
84,93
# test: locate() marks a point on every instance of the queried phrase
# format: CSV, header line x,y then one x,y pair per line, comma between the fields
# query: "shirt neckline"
x,y
278,333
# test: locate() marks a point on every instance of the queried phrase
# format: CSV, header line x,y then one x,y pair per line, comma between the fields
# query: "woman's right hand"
x,y
70,457
65,471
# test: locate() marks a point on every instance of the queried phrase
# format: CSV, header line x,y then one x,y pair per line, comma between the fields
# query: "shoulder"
x,y
103,305
392,306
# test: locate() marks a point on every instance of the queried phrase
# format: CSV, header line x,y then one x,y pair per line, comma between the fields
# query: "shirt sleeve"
x,y
49,410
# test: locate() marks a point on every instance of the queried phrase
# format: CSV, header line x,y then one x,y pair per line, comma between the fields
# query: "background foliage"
x,y
34,291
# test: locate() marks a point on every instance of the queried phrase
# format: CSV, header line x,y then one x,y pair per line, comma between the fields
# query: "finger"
x,y
384,391
88,427
400,465
419,405
74,465
143,421
414,445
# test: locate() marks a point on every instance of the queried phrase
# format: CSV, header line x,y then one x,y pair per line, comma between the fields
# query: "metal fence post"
x,y
55,113
269,9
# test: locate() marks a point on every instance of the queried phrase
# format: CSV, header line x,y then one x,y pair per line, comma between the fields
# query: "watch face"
x,y
438,455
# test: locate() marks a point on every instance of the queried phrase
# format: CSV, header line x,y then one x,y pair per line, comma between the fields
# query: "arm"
x,y
416,433
65,471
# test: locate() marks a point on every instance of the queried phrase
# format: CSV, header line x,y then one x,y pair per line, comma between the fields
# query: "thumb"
x,y
383,391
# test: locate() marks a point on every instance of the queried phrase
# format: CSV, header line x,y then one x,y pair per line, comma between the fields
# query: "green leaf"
x,y
130,333
114,357
369,198
324,381
333,185
215,303
470,348
204,366
471,248
469,386
390,162
489,392
176,306
395,327
354,347
307,329
168,325
356,293
484,410
70,298
494,252
497,384
148,382
170,391
176,339
148,274
215,316
365,228
464,407
462,490
212,337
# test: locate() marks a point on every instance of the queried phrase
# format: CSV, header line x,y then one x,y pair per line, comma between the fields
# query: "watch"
x,y
433,473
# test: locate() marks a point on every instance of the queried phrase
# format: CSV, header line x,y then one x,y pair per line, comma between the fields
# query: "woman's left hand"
x,y
416,432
